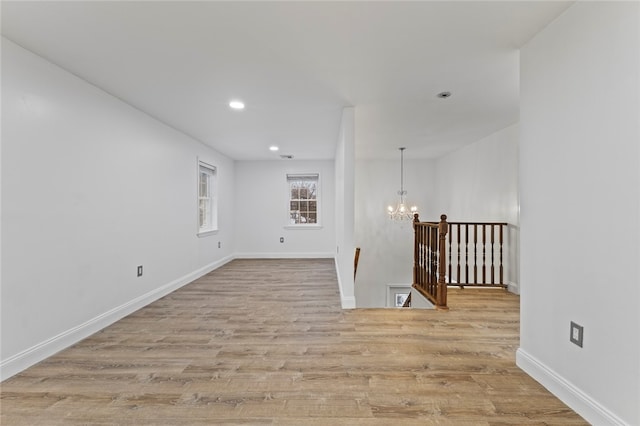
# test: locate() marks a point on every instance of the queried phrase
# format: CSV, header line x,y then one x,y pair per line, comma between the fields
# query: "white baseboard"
x,y
348,302
43,350
575,398
272,255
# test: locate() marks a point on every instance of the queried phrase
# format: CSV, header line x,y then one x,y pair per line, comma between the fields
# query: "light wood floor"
x,y
265,342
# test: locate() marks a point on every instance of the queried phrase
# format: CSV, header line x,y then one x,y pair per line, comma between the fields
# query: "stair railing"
x,y
464,254
475,254
429,260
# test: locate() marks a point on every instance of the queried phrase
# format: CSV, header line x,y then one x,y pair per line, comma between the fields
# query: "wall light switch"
x,y
577,332
140,270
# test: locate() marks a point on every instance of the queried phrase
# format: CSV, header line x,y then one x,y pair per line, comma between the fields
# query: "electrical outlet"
x,y
140,270
577,333
282,239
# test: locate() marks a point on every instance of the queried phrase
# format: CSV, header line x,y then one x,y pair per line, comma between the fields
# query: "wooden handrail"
x,y
477,223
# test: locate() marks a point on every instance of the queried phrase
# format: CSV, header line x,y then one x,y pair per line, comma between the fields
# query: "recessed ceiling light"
x,y
273,148
444,95
236,105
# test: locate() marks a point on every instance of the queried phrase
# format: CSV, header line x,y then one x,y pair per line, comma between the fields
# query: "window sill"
x,y
301,227
203,234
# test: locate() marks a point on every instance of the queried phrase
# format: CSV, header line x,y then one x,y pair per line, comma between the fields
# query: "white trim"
x,y
347,302
310,255
207,233
303,227
567,392
213,189
49,347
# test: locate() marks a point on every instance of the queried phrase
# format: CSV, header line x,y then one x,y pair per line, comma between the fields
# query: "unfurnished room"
x,y
320,213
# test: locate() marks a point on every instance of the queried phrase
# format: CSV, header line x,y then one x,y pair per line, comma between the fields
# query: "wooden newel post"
x,y
443,228
416,265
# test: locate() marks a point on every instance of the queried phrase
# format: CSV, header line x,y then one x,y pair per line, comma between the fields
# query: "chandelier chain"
x,y
401,213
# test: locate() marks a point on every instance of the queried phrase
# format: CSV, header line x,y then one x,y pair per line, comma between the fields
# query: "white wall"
x,y
91,188
386,255
580,215
344,213
262,215
480,183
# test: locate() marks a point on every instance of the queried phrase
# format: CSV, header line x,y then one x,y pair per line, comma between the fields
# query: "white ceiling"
x,y
296,65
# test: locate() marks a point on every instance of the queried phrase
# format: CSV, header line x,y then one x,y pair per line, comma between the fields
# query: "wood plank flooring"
x,y
265,342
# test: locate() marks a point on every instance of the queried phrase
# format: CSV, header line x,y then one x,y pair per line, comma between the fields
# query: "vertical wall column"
x,y
345,207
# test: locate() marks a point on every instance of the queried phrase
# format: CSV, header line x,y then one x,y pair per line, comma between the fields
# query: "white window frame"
x,y
293,176
207,224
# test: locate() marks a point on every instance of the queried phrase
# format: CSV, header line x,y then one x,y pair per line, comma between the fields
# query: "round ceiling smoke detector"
x,y
444,95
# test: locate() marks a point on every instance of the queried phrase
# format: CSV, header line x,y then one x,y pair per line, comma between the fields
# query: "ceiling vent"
x,y
286,157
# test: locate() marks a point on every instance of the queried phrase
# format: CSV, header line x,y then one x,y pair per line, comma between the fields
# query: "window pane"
x,y
207,205
203,184
303,192
202,213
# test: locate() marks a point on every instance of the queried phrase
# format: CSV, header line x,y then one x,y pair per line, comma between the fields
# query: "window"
x,y
207,203
303,199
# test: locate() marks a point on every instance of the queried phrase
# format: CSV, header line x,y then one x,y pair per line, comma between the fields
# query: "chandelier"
x,y
401,212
